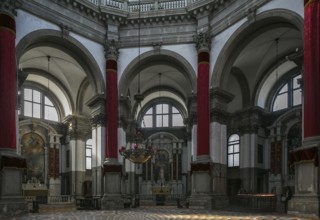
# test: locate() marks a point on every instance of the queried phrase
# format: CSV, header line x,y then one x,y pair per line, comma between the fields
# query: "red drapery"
x,y
7,82
111,109
203,104
311,68
304,155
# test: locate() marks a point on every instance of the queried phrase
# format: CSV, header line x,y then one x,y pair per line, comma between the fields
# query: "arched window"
x,y
37,105
162,115
88,154
288,95
233,150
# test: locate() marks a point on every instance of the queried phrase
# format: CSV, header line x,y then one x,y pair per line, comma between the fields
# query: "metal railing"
x,y
258,202
60,199
63,199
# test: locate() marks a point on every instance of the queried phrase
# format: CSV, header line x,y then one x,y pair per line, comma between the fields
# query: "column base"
x,y
13,207
201,201
112,172
201,185
12,202
220,201
304,206
112,202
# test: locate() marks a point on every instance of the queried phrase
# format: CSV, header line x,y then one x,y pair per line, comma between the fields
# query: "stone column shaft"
x,y
7,81
111,101
311,69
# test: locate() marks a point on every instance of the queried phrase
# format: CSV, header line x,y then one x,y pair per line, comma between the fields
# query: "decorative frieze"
x,y
218,115
248,121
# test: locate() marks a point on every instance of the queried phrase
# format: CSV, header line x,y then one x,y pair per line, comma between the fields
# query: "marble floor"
x,y
66,212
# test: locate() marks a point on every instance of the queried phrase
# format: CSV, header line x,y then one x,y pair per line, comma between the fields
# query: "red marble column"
x,y
203,115
7,82
311,68
111,102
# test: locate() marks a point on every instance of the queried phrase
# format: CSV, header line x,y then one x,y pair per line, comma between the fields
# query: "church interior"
x,y
114,104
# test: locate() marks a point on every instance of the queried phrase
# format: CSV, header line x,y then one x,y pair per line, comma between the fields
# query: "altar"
x,y
161,192
33,190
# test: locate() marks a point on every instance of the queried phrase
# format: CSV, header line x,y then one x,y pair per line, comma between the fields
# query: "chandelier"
x,y
136,151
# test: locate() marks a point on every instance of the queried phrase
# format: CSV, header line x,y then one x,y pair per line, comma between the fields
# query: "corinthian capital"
x,y
203,41
111,49
10,6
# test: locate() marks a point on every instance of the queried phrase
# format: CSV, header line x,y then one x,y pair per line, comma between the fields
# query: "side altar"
x,y
161,192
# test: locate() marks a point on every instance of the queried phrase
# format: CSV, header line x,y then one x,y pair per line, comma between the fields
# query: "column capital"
x,y
203,41
9,7
111,49
98,120
218,115
78,127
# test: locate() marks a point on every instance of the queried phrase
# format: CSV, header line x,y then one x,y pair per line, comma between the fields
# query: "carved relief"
x,y
203,41
111,50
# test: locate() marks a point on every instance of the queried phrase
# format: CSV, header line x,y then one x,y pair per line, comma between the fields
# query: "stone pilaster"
x,y
219,118
78,131
97,107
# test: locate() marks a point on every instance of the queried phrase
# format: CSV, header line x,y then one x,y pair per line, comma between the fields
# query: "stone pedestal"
x,y
112,198
201,194
305,201
304,206
12,202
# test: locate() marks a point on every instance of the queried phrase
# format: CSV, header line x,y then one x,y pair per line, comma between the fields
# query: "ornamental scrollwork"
x,y
203,41
111,49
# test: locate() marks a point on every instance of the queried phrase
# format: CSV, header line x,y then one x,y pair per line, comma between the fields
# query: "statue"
x,y
161,176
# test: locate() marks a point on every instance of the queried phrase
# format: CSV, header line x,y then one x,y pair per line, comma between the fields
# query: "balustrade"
x,y
145,5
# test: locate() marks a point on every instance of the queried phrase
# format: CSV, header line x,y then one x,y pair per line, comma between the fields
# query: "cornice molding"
x,y
98,17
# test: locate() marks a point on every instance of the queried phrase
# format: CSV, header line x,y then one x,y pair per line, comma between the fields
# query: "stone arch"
x,y
243,35
168,56
69,45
